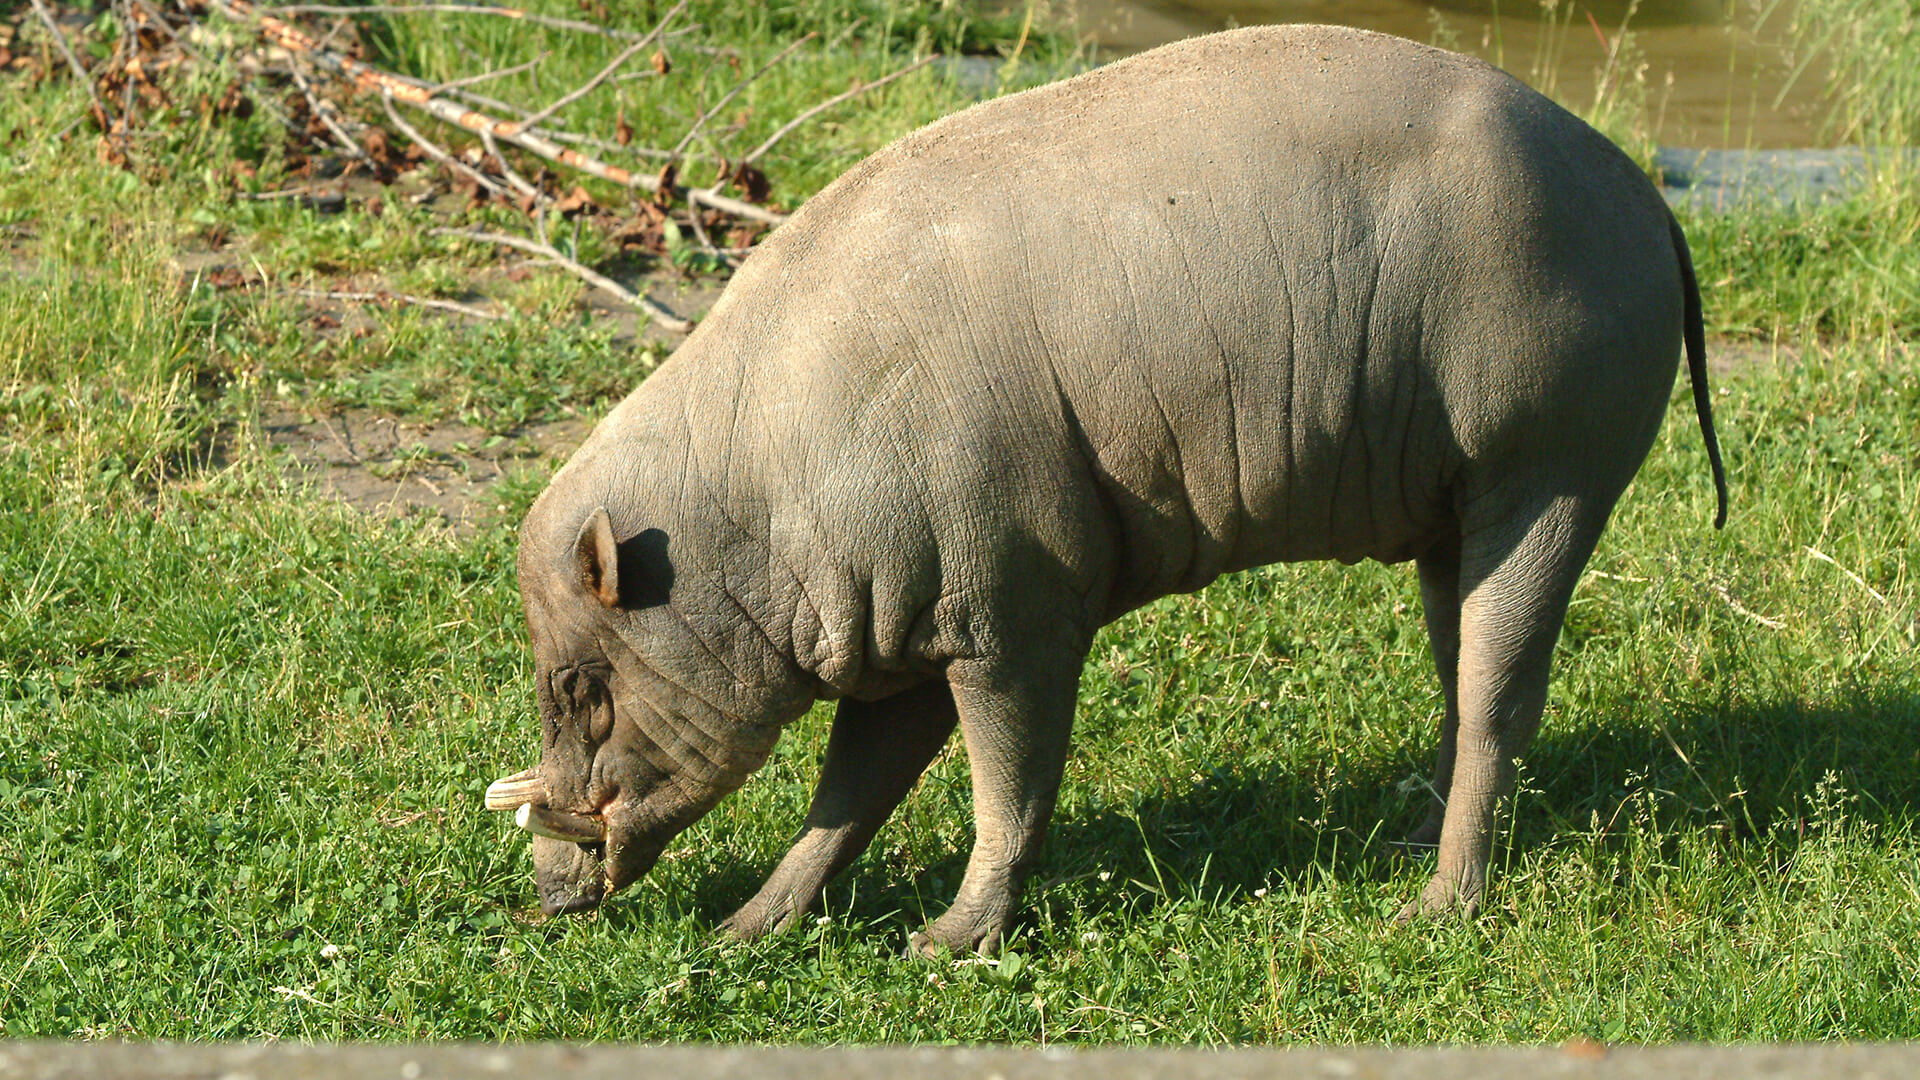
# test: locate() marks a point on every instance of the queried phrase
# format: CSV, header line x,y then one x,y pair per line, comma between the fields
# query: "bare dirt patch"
x,y
381,465
1732,357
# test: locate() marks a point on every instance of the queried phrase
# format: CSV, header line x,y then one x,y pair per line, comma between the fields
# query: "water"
x,y
1700,70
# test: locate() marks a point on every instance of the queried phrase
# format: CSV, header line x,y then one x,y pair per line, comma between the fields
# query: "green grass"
x,y
243,730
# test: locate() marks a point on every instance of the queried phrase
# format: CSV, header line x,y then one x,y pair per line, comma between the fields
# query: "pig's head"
x,y
644,724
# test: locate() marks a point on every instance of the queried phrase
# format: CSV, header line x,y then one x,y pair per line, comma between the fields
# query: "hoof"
x,y
1441,901
941,939
922,947
755,921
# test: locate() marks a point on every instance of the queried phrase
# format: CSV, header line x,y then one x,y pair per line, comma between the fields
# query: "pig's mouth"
x,y
571,849
525,794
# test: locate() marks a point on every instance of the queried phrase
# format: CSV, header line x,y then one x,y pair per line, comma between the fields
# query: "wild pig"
x,y
1276,294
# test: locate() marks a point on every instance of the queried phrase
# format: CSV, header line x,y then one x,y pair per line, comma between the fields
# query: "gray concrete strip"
x,y
549,1061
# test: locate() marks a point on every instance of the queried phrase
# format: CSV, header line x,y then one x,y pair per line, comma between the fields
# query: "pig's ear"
x,y
597,559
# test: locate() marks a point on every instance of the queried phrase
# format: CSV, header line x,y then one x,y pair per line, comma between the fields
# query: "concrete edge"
x,y
1582,1060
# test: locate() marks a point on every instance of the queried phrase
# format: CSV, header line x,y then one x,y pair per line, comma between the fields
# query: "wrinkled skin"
x,y
1278,294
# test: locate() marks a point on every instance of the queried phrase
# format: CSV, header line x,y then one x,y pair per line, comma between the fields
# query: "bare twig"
x,y
519,182
706,242
487,76
612,66
434,150
324,110
1739,609
402,298
787,128
338,25
653,308
344,445
1856,578
459,9
711,197
486,102
611,147
103,117
284,193
737,87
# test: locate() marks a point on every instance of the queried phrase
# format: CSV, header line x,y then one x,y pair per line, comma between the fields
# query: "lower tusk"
x,y
513,792
560,825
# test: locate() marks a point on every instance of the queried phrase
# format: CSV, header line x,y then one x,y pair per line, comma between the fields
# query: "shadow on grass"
x,y
1747,771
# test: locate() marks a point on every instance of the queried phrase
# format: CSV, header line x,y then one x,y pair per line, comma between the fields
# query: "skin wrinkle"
x,y
1237,498
651,735
1195,529
1356,396
1288,289
1356,422
640,663
1415,380
720,506
917,484
842,650
896,380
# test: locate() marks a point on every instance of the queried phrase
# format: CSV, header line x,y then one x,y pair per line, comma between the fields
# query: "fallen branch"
x,y
533,195
433,150
402,298
658,313
787,128
101,115
157,19
420,97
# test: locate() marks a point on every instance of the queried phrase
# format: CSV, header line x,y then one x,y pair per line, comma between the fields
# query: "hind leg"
x,y
1517,573
1440,603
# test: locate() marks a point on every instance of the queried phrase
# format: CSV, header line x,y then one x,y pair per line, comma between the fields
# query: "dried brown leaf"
x,y
575,203
753,184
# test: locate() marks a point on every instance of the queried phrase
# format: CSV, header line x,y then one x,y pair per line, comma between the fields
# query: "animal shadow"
x,y
1750,772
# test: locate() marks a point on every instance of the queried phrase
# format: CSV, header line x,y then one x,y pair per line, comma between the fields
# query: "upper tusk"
x,y
560,825
512,792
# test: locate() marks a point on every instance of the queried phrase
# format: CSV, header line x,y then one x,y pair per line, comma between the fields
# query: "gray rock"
x,y
1724,180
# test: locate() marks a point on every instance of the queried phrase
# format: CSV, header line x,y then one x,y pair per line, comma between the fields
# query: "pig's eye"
x,y
577,685
585,695
600,724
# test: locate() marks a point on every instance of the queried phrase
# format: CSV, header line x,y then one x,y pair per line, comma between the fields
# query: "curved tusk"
x,y
513,792
560,825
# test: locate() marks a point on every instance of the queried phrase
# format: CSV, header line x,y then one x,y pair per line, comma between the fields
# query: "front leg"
x,y
1016,717
875,754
